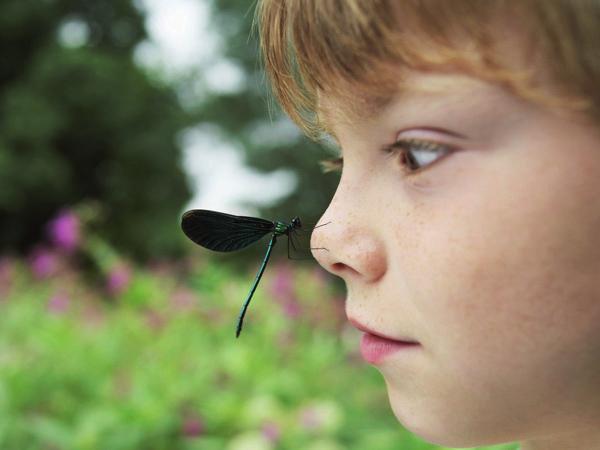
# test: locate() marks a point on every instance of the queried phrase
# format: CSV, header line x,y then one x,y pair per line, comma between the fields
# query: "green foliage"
x,y
82,124
133,372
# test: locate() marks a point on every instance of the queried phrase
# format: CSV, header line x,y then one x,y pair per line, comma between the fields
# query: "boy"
x,y
477,234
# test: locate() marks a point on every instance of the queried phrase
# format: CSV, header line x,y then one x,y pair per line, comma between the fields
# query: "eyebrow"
x,y
374,110
450,86
370,107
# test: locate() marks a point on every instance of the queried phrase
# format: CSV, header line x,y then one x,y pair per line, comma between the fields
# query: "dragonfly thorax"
x,y
285,228
280,228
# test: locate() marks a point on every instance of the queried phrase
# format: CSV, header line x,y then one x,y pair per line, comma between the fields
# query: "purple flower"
x,y
43,262
118,279
282,286
271,431
64,231
320,416
310,419
192,426
291,308
183,299
155,320
58,303
320,276
161,268
283,290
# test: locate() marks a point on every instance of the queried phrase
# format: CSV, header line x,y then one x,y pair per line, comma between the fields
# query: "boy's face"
x,y
489,257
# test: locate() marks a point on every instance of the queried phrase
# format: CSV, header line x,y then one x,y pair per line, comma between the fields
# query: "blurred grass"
x,y
159,367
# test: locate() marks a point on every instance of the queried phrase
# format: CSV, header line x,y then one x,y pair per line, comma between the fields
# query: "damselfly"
x,y
223,232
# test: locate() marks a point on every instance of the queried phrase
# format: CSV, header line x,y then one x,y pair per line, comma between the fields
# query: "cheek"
x,y
505,277
502,284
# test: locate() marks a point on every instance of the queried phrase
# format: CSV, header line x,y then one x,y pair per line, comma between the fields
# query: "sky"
x,y
182,41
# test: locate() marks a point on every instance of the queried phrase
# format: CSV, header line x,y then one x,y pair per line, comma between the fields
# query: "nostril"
x,y
338,267
341,268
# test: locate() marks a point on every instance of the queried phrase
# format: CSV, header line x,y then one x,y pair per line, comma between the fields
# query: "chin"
x,y
448,429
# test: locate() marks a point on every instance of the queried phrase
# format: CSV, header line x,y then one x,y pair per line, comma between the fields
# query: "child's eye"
x,y
416,154
409,150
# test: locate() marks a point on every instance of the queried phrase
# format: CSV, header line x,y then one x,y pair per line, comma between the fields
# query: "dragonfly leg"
x,y
312,228
309,230
291,239
323,224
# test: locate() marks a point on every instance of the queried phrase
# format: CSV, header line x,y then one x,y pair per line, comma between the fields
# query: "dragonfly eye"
x,y
296,222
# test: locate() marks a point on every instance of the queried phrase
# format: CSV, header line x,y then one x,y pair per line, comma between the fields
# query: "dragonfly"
x,y
224,232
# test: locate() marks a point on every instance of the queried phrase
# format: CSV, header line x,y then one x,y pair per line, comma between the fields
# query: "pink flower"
x,y
320,276
162,268
58,303
43,262
118,279
271,431
291,308
323,415
183,299
309,419
282,288
155,320
192,427
64,231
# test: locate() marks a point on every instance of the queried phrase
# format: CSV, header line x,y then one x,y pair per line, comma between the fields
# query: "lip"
x,y
374,349
361,327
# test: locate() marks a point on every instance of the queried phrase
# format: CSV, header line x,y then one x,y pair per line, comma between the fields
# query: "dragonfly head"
x,y
296,222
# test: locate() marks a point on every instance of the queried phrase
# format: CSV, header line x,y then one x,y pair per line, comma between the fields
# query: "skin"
x,y
489,256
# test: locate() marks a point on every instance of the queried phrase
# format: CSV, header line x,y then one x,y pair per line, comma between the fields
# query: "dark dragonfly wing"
x,y
223,232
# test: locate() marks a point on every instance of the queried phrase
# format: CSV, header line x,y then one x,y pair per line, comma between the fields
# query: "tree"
x,y
85,123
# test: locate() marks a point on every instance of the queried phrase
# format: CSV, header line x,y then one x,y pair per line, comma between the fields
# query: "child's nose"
x,y
353,251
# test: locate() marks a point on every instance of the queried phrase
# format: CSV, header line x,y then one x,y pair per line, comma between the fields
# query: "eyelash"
x,y
402,146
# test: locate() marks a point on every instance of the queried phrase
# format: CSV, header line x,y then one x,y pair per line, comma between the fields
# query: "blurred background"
x,y
116,332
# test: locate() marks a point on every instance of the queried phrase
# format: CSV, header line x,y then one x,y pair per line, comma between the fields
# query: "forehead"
x,y
422,90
